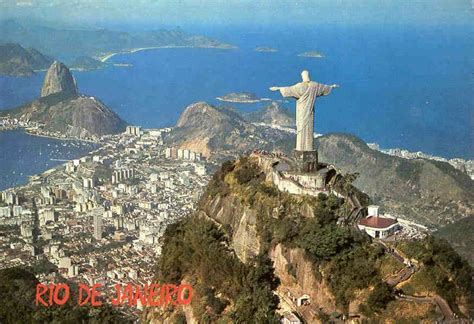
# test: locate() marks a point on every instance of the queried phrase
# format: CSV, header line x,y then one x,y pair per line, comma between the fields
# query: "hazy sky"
x,y
244,12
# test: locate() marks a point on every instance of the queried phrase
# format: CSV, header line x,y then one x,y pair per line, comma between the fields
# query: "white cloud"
x,y
24,3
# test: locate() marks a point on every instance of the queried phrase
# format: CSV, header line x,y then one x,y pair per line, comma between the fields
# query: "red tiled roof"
x,y
377,222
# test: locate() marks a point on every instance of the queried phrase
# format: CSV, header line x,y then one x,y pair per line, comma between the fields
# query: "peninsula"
x,y
86,63
98,43
104,57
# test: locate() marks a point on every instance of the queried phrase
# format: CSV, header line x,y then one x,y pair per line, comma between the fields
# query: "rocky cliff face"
x,y
298,276
242,220
59,79
296,273
239,219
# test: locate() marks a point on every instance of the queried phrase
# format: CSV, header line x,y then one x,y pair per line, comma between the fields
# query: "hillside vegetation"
x,y
17,293
206,249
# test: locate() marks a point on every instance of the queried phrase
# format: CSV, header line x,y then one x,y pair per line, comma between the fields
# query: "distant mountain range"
x,y
62,111
71,43
18,61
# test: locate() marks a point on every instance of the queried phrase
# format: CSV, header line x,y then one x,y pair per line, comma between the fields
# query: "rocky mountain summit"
x,y
18,61
218,130
273,114
59,79
62,112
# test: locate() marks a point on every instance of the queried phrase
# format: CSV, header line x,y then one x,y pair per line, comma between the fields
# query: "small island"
x,y
313,54
266,49
240,97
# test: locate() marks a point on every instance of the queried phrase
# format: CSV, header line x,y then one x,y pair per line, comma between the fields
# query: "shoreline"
x,y
105,57
51,169
25,130
373,146
62,138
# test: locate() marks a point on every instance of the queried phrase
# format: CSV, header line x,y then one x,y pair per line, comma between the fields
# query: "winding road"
x,y
405,274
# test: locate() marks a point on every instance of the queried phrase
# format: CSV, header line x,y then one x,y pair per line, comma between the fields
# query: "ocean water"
x,y
22,155
401,86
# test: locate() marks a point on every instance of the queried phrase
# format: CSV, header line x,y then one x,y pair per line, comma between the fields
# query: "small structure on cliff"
x,y
376,225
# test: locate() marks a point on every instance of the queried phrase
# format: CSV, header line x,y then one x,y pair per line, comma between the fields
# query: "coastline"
x,y
50,169
373,146
28,132
105,57
61,138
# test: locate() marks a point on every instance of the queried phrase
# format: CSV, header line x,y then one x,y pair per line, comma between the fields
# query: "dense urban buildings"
x,y
99,219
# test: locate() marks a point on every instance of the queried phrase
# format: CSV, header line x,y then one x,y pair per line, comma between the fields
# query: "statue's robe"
x,y
305,93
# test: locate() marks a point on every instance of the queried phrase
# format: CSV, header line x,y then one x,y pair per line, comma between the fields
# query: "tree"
x,y
379,297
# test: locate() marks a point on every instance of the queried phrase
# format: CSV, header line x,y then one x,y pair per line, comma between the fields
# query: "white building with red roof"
x,y
376,225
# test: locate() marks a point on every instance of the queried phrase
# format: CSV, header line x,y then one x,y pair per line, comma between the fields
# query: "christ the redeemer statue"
x,y
306,93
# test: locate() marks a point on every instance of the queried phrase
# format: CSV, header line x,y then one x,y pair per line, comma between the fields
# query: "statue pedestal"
x,y
306,161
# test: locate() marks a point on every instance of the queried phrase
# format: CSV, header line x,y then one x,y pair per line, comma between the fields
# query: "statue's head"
x,y
305,76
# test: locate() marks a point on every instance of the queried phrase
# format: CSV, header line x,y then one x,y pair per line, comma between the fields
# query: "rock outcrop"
x,y
59,79
218,130
273,114
301,279
62,112
241,220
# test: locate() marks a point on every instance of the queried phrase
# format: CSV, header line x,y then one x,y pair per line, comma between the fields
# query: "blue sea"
x,y
22,155
401,86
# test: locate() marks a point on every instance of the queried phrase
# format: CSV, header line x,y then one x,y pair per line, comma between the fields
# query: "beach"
x,y
104,58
